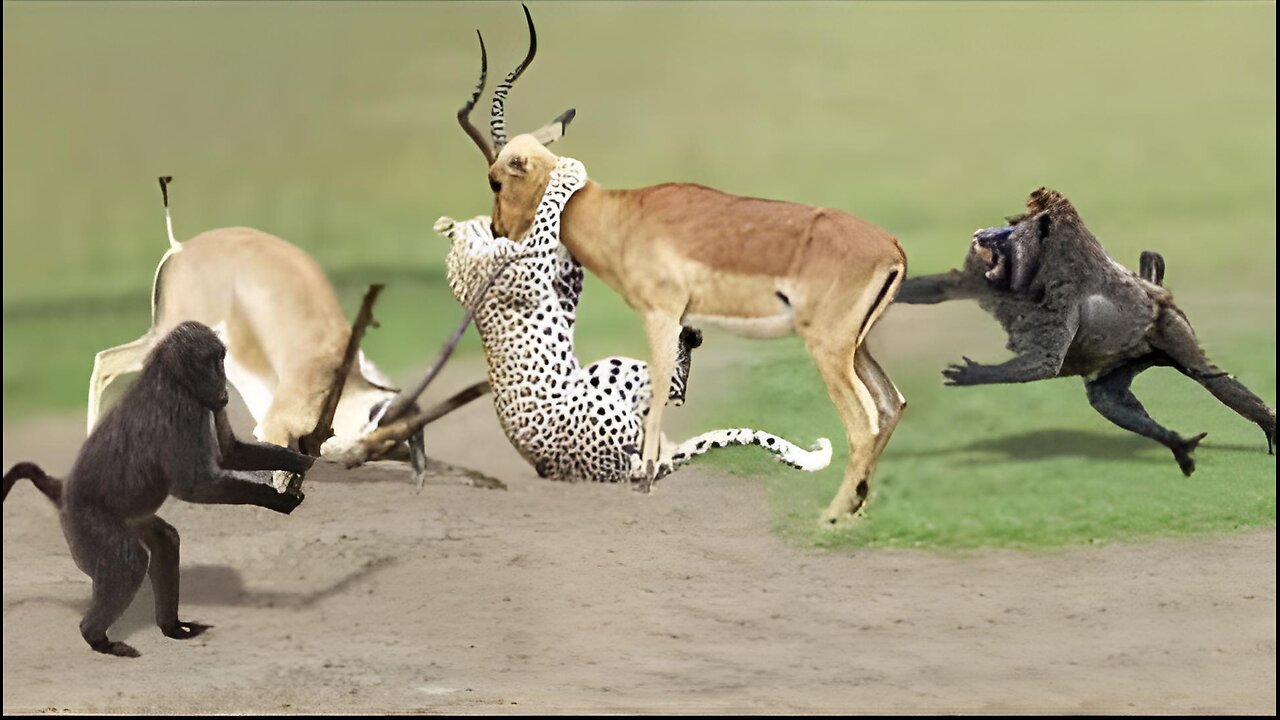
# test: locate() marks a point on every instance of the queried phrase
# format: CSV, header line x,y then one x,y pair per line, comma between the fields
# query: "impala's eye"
x,y
494,185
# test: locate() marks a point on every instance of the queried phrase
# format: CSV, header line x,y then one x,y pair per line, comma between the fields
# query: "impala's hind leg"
x,y
1176,338
861,418
1110,395
861,391
110,364
109,552
889,401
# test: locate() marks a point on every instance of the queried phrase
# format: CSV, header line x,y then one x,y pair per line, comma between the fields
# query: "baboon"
x,y
168,435
1069,309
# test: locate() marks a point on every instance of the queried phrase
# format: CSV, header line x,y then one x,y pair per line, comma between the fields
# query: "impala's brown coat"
x,y
684,254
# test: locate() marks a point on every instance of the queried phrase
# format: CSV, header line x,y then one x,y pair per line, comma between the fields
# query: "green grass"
x,y
332,125
1016,465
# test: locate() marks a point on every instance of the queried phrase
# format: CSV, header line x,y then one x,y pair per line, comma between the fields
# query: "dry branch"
x,y
405,400
378,443
311,442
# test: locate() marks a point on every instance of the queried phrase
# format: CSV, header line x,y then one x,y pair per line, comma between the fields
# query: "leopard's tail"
x,y
783,451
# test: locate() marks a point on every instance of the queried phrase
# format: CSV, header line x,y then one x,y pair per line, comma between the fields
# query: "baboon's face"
x,y
989,246
518,179
195,356
1009,256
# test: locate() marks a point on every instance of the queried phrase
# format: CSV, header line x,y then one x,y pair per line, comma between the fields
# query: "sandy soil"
x,y
551,597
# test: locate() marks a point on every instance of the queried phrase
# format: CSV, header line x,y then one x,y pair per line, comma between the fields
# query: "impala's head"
x,y
519,169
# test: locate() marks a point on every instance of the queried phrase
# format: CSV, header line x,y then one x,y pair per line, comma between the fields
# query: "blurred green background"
x,y
332,125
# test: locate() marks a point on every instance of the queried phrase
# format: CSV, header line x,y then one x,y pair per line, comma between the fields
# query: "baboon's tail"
x,y
50,486
1151,267
784,451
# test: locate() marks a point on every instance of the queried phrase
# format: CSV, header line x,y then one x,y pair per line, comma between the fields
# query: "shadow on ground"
x,y
1045,444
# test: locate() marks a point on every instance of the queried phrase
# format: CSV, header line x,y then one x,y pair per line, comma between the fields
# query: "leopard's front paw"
x,y
446,226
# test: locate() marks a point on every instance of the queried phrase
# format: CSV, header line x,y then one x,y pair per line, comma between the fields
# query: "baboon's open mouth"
x,y
987,245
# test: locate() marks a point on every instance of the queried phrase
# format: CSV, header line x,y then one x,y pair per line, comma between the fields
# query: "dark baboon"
x,y
1069,309
168,435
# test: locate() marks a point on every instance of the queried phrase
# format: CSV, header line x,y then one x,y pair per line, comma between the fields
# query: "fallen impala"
x,y
284,330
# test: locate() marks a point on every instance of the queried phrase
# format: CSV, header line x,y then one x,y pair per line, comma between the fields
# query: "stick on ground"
x,y
311,442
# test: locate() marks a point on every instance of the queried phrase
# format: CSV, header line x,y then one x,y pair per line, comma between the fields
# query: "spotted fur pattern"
x,y
570,422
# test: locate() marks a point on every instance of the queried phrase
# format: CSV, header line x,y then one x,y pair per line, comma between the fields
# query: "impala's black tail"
x,y
50,486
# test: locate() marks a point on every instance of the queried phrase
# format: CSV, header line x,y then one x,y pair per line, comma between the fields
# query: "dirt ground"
x,y
550,597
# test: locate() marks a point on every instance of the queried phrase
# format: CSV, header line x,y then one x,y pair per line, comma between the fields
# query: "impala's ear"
x,y
555,129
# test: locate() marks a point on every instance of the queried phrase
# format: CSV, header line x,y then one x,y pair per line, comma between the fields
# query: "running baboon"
x,y
1069,309
169,435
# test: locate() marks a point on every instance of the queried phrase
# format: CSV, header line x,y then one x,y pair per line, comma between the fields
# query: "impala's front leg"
x,y
663,330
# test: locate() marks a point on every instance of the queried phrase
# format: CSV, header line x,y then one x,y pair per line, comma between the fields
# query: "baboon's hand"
x,y
970,373
300,463
285,502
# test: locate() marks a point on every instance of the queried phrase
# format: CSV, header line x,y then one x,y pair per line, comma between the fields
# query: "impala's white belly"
x,y
765,310
770,326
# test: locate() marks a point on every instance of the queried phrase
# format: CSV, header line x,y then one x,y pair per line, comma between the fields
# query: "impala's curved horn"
x,y
464,114
497,117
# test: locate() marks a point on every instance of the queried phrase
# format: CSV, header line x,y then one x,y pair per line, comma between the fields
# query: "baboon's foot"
x,y
1184,453
184,630
119,649
1269,429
